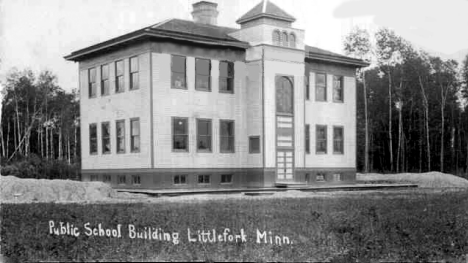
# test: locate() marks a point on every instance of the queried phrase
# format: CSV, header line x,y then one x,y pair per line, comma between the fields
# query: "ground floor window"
x,y
122,179
338,140
204,179
320,177
136,179
180,179
180,139
106,178
321,139
93,177
226,178
337,177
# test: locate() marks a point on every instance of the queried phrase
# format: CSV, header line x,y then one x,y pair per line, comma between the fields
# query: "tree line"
x,y
412,114
39,126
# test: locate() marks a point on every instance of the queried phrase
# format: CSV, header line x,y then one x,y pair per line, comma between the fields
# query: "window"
x,y
320,87
226,179
180,179
136,179
120,132
226,77
105,80
122,179
276,37
337,88
180,134
307,138
284,95
93,139
292,40
119,76
107,178
134,79
94,178
135,135
178,68
338,145
204,135
254,144
105,130
337,177
285,39
202,74
92,82
307,87
320,177
321,139
226,136
204,179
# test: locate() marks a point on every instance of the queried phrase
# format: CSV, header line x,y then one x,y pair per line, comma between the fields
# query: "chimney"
x,y
205,12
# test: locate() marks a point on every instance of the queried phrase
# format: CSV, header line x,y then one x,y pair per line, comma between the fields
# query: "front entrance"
x,y
284,129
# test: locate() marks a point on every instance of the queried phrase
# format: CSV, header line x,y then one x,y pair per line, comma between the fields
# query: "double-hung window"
x,y
204,135
135,135
321,139
338,89
92,82
120,136
119,76
93,147
180,140
307,138
202,74
338,140
105,79
134,78
321,87
226,77
105,130
254,144
226,136
178,68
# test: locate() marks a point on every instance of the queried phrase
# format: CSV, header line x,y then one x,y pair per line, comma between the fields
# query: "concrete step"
x,y
290,185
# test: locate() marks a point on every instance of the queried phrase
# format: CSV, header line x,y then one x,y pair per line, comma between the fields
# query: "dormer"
x,y
267,23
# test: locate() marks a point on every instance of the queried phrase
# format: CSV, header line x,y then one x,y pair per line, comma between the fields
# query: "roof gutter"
x,y
331,59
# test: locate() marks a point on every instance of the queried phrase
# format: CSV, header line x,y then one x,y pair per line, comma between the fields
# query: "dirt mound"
x,y
424,180
13,189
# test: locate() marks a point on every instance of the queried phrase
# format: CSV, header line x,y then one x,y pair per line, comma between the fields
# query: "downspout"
x,y
151,111
263,106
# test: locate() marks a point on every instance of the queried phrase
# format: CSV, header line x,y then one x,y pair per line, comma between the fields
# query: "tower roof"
x,y
266,9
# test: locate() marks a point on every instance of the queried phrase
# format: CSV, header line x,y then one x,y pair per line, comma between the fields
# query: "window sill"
x,y
226,183
118,92
134,89
179,151
227,152
203,90
321,153
135,151
185,88
226,92
338,101
121,152
338,153
93,153
204,151
106,153
254,152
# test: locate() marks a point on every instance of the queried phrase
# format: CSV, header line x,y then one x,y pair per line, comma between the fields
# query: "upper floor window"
x,y
321,139
338,89
119,76
202,74
120,135
134,78
292,40
180,139
226,77
204,135
338,140
178,68
105,130
93,139
105,79
307,138
320,87
135,135
285,39
254,144
307,87
276,37
284,95
92,82
226,136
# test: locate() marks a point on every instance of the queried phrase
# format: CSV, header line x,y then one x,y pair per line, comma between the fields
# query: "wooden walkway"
x,y
327,188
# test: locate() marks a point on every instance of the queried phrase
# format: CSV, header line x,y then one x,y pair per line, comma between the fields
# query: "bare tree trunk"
x,y
8,139
76,144
60,151
400,131
68,144
3,141
390,118
47,142
52,150
366,123
442,137
426,124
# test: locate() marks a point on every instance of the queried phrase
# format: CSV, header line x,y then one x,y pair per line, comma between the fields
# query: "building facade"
x,y
190,104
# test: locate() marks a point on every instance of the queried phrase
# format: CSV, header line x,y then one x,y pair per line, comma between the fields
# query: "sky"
x,y
37,34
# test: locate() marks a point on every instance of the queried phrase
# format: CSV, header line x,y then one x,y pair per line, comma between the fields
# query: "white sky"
x,y
38,33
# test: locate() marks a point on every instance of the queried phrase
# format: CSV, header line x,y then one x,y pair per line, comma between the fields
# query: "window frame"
x,y
342,140
209,75
119,182
91,82
307,87
132,136
186,134
134,72
225,136
232,78
185,87
324,87
93,178
117,137
259,145
108,137
210,150
307,139
180,176
118,88
276,42
105,80
91,139
228,182
107,178
285,39
341,88
317,127
292,44
138,181
204,179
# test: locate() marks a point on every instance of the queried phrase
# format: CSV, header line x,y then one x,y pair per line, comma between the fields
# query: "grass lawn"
x,y
411,225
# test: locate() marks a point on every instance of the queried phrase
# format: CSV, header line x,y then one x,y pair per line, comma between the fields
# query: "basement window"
x,y
180,179
136,179
204,179
122,179
226,179
320,177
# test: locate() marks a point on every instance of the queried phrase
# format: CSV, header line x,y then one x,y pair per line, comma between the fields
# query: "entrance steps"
x,y
290,185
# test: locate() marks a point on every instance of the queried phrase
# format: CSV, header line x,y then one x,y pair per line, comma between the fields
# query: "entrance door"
x,y
284,129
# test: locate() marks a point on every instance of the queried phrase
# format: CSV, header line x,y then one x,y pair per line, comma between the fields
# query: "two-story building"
x,y
190,104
